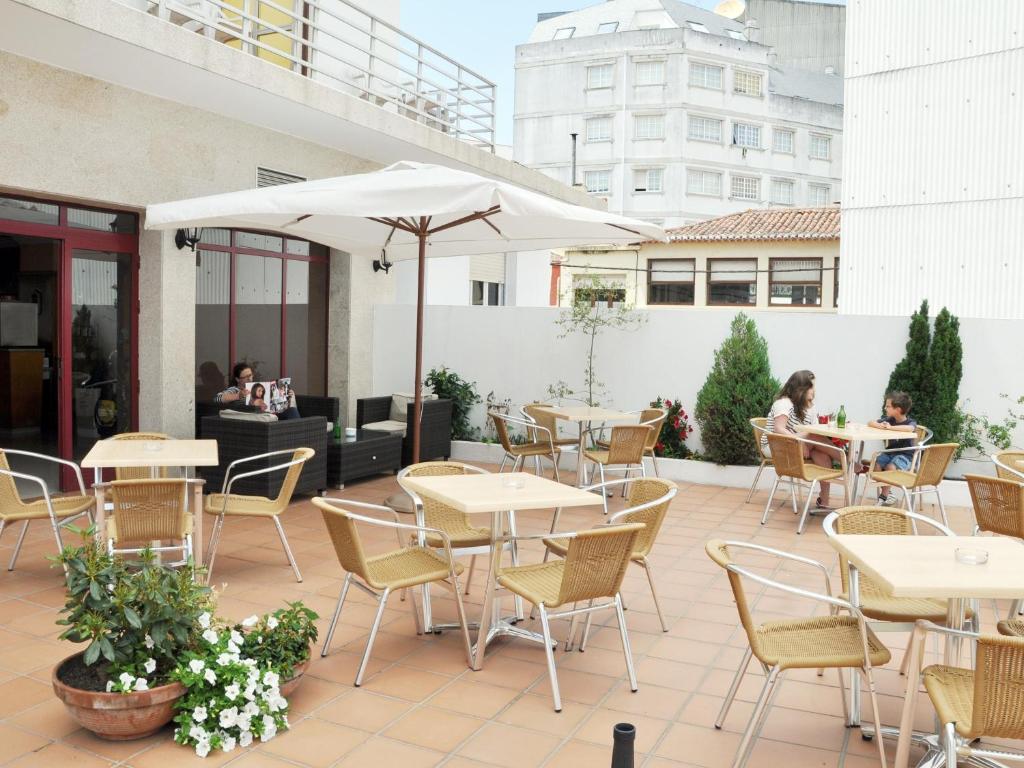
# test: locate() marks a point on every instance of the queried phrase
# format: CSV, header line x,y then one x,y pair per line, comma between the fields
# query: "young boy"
x,y
897,406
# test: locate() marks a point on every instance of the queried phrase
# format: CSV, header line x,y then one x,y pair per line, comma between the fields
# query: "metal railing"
x,y
343,46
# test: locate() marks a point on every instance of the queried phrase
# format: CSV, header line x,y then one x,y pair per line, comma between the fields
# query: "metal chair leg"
x,y
753,485
604,496
373,636
214,543
554,461
17,547
502,465
746,743
942,508
654,464
875,714
337,613
287,549
949,744
744,663
469,575
768,506
586,627
654,593
807,507
513,532
626,650
417,621
572,629
550,657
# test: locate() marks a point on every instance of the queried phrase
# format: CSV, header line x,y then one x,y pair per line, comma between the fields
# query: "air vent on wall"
x,y
268,178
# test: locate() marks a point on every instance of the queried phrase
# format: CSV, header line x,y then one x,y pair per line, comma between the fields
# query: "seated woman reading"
x,y
241,375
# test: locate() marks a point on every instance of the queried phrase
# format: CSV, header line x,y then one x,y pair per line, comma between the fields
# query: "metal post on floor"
x,y
624,736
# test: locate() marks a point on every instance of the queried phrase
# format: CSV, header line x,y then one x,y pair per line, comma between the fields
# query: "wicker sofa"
x,y
435,427
237,439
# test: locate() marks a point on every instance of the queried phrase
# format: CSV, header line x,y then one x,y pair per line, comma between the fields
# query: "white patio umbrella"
x,y
408,210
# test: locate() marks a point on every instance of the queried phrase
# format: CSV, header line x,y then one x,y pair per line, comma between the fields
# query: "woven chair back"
x,y
655,419
347,545
999,688
9,496
998,505
139,473
147,510
787,455
284,496
596,562
718,551
934,461
869,521
626,445
437,514
644,491
501,428
1010,459
922,434
758,426
541,413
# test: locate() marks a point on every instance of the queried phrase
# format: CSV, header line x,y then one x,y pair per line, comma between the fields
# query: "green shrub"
x,y
463,395
912,374
739,387
946,362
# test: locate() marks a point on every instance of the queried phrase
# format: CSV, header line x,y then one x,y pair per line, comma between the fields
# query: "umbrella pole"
x,y
418,402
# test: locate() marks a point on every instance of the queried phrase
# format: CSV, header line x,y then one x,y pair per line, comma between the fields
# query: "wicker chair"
x,y
998,508
986,702
834,641
926,473
788,458
649,500
150,510
380,575
140,473
540,413
1009,465
758,427
653,418
594,564
226,504
625,450
543,445
59,510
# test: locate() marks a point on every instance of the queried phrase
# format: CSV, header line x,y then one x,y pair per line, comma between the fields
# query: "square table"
x,y
584,415
153,454
925,566
494,494
853,434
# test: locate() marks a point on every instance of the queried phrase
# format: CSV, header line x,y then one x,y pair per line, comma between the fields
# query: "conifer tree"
x,y
912,374
946,363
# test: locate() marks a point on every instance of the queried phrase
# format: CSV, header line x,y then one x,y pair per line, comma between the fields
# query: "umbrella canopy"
x,y
409,210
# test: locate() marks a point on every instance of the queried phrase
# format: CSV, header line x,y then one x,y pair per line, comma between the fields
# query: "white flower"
x,y
149,642
271,622
244,722
210,677
141,684
245,738
249,692
126,679
204,620
268,733
110,685
210,636
110,587
149,666
227,743
202,748
197,733
228,717
276,702
250,622
233,647
236,638
199,714
271,678
250,709
224,659
197,666
232,691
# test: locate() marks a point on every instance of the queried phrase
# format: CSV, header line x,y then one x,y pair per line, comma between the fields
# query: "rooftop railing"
x,y
338,43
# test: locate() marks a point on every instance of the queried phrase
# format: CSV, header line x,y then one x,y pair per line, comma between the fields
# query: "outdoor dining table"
x,y
855,436
153,454
585,415
926,566
497,494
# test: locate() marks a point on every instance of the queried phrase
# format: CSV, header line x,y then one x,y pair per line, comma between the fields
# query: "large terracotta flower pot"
x,y
118,716
288,686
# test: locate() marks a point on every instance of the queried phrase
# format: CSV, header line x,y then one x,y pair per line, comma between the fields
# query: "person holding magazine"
x,y
274,397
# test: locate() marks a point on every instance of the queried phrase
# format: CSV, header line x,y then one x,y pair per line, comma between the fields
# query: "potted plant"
x,y
137,621
283,641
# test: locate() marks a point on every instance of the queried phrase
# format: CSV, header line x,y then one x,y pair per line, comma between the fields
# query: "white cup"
x,y
350,431
330,426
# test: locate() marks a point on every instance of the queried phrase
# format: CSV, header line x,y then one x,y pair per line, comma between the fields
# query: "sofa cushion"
x,y
387,426
400,402
227,413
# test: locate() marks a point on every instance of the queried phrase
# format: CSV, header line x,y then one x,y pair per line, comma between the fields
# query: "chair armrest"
x,y
785,556
372,409
387,523
253,473
55,460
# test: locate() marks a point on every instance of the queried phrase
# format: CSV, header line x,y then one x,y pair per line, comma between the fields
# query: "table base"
x,y
507,626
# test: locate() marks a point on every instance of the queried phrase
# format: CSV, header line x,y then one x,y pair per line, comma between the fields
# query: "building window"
x,y
736,35
782,140
703,183
587,293
704,129
746,135
821,147
670,281
648,126
607,27
794,282
696,26
818,195
648,179
564,33
732,281
835,282
600,75
705,76
746,83
782,191
599,129
746,188
486,294
598,182
649,73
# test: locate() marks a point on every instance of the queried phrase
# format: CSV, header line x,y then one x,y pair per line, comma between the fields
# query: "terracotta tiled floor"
x,y
420,706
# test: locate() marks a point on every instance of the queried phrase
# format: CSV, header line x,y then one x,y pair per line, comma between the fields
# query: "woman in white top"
x,y
793,408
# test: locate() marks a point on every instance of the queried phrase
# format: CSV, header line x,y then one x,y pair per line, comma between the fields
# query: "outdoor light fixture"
x,y
382,262
189,237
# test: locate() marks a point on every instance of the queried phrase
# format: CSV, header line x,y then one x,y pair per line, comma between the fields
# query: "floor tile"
x,y
434,728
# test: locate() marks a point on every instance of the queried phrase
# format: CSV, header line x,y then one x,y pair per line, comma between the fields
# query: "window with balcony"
x,y
794,282
819,195
670,281
705,76
648,126
782,140
649,73
599,129
700,182
648,179
732,281
782,191
821,147
600,75
746,135
704,129
564,33
746,188
598,182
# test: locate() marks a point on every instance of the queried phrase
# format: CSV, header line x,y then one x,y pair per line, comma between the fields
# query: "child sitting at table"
x,y
897,406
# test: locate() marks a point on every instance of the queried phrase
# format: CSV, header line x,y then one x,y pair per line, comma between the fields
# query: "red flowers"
x,y
672,440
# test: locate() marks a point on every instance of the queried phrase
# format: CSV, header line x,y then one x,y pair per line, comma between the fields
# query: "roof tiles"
x,y
768,224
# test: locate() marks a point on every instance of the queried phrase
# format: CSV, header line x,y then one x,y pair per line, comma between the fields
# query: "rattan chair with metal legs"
x,y
140,473
999,509
145,511
411,565
788,456
835,641
974,704
543,447
1009,465
928,469
58,510
540,414
594,564
649,417
758,427
625,452
226,504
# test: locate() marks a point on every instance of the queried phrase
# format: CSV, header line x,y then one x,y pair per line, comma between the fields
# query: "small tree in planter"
x,y
912,374
739,387
674,431
462,393
946,363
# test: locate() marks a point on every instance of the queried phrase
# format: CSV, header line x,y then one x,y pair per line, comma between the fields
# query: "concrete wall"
x,y
803,34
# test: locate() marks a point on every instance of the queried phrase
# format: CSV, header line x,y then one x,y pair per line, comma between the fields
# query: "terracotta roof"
x,y
764,224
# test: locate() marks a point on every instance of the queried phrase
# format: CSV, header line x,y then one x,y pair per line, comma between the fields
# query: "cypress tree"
x,y
912,374
946,363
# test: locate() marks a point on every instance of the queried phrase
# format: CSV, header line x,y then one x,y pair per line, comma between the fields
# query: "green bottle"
x,y
841,417
337,431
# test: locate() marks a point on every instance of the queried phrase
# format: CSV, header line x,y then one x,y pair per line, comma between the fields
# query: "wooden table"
x,y
153,454
494,493
585,415
854,434
925,566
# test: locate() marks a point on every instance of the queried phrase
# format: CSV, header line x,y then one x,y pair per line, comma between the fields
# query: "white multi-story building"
x,y
680,115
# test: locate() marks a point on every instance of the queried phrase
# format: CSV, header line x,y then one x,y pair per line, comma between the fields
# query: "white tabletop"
x,y
855,432
152,453
925,566
586,413
491,492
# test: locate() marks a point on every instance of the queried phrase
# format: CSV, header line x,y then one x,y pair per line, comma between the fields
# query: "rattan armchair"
x,y
380,575
834,641
594,564
1009,465
927,470
625,451
540,413
788,458
543,445
650,417
59,510
998,508
140,473
150,510
226,504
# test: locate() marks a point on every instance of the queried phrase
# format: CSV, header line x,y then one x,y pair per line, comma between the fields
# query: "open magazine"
x,y
269,396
